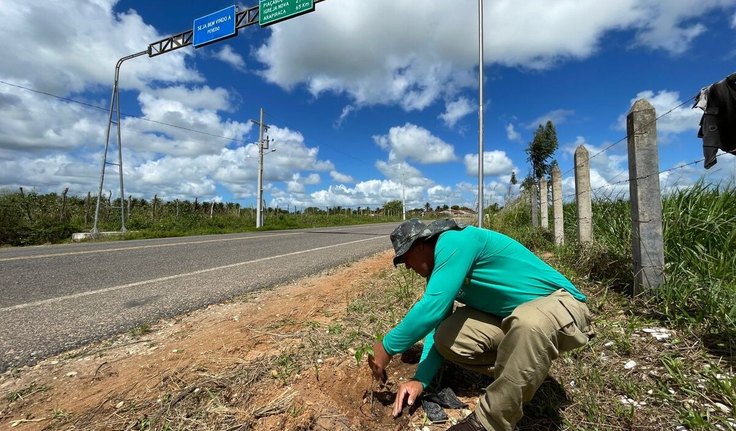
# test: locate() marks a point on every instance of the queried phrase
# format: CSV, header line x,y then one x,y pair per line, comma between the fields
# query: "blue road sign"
x,y
215,26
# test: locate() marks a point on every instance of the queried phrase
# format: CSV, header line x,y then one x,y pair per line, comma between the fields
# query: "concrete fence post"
x,y
559,226
582,196
543,205
535,206
646,198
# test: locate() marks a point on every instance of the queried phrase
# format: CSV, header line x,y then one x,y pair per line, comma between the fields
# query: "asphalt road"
x,y
54,298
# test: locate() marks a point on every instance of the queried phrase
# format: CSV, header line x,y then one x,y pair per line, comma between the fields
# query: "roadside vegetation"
x,y
35,219
666,358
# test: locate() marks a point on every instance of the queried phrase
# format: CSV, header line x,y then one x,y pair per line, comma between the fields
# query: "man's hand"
x,y
378,362
409,390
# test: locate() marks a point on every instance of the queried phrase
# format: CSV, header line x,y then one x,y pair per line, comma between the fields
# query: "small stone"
x,y
120,404
71,374
196,390
630,365
609,344
723,408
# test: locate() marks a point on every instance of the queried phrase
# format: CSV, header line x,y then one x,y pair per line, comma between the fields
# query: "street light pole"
x,y
480,115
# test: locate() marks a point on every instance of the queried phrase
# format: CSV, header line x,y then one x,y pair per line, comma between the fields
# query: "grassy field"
x,y
680,338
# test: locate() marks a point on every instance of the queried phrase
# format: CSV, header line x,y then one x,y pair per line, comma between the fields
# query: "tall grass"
x,y
700,256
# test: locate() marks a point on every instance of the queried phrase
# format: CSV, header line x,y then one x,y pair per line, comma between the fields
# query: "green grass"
x,y
685,380
699,240
140,330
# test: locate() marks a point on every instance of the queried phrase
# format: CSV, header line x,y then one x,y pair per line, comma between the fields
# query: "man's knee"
x,y
444,339
468,336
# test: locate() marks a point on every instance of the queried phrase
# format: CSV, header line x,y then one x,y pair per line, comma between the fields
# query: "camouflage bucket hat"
x,y
405,234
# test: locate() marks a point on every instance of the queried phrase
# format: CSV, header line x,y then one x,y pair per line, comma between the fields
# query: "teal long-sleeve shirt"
x,y
480,268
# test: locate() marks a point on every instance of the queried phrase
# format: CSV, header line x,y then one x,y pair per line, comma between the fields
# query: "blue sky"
x,y
364,99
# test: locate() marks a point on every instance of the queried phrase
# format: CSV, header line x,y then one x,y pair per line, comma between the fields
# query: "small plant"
x,y
313,324
366,349
25,392
140,330
361,351
287,366
60,414
335,329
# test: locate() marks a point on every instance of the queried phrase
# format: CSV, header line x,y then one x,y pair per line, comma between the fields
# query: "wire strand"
x,y
89,105
671,110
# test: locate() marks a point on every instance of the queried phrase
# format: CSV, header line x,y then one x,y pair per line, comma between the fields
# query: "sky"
x,y
366,101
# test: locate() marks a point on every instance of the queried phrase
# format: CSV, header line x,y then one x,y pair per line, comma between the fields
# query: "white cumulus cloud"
x,y
412,142
494,163
456,110
511,133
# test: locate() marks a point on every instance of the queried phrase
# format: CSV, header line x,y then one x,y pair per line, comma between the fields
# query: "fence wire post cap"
x,y
641,105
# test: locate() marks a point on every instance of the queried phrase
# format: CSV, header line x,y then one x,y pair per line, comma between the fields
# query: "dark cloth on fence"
x,y
718,123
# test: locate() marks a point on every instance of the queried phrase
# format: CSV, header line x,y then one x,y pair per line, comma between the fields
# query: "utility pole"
x,y
262,144
403,195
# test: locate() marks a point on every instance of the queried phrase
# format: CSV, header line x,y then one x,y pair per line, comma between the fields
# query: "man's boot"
x,y
470,423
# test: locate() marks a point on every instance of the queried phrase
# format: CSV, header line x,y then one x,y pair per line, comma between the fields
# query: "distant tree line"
x,y
30,218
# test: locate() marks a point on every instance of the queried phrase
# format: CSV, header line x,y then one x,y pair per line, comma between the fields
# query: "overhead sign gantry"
x,y
210,28
275,10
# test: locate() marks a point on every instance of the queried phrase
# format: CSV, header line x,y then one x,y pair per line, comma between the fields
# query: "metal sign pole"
x,y
480,115
114,104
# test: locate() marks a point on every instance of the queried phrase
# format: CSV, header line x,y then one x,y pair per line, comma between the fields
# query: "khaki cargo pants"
x,y
517,351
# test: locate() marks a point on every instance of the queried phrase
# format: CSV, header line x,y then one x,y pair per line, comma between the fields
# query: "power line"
x,y
89,105
627,136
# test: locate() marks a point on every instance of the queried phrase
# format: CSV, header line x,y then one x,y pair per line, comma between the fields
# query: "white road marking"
x,y
141,247
172,277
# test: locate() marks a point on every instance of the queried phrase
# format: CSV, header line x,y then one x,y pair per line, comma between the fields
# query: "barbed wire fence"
x,y
645,194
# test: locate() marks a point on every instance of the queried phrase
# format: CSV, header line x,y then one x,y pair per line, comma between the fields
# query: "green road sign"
x,y
272,11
